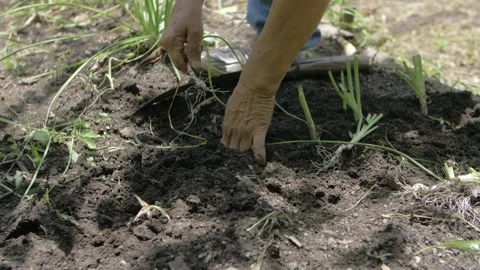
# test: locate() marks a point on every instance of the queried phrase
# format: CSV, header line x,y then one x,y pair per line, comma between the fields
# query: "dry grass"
x,y
446,34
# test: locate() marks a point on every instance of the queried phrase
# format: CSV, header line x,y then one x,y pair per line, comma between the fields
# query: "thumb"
x,y
194,48
258,146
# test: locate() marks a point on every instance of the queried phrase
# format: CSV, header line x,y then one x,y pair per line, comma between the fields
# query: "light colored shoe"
x,y
224,61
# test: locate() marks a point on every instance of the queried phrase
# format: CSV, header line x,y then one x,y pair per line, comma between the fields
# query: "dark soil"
x,y
213,194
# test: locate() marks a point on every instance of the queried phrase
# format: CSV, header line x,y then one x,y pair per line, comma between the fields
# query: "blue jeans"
x,y
257,13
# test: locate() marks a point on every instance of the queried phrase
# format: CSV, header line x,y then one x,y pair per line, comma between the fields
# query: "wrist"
x,y
260,81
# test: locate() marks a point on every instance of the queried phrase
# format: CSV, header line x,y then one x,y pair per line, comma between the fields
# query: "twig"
x,y
7,188
6,195
7,162
362,198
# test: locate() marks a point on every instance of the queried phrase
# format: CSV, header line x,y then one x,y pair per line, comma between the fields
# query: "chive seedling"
x,y
351,98
414,79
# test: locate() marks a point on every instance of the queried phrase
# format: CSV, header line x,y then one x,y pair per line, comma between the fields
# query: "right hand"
x,y
247,118
185,26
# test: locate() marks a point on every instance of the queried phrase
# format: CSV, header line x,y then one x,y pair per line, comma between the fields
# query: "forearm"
x,y
289,25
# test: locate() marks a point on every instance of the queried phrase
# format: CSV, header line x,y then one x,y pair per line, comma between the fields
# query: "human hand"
x,y
247,118
185,26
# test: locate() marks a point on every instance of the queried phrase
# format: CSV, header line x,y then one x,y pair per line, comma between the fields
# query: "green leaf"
x,y
88,133
73,154
89,143
471,246
40,136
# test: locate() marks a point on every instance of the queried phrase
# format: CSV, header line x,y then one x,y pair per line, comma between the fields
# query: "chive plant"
x,y
351,98
414,79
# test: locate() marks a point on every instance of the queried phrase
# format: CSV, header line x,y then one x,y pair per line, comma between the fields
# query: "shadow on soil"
x,y
214,194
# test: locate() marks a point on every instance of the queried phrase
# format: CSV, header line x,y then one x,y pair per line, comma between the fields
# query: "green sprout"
x,y
470,246
414,79
306,111
472,176
350,96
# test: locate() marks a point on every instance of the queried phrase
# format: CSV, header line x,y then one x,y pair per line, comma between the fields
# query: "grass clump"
x,y
150,16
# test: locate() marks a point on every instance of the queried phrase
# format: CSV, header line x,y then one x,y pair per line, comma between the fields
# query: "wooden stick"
x,y
322,65
313,68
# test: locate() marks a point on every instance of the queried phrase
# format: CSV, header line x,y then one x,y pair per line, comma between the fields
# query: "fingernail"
x,y
196,64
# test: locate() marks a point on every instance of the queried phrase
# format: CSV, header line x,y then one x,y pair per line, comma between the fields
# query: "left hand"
x,y
185,26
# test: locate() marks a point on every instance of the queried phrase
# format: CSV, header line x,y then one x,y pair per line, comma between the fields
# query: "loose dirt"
x,y
213,195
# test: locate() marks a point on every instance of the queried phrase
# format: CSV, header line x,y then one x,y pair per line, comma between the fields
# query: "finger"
x,y
245,141
235,140
258,146
176,53
194,48
226,135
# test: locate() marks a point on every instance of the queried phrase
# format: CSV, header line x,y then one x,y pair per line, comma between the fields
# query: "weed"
x,y
272,219
147,209
38,141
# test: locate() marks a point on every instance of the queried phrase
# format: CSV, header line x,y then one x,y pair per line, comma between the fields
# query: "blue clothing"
x,y
257,13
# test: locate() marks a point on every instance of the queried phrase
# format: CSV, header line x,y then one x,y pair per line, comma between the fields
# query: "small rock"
x,y
323,247
193,199
292,265
294,240
208,258
331,241
179,209
143,233
178,263
127,132
6,266
231,268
